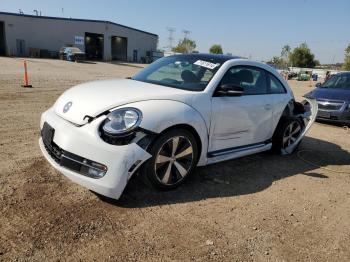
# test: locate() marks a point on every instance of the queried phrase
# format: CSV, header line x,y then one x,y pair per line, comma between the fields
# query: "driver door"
x,y
245,120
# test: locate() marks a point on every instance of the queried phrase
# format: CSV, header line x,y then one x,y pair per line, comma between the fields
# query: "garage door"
x,y
2,39
119,48
94,46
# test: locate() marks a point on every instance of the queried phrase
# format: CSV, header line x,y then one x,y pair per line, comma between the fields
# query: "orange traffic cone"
x,y
26,82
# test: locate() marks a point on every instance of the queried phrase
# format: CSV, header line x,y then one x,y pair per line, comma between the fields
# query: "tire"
x,y
287,130
167,169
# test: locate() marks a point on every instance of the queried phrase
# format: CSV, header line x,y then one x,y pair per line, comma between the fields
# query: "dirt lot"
x,y
258,208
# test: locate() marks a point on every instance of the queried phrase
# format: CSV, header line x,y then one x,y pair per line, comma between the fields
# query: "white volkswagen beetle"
x,y
179,112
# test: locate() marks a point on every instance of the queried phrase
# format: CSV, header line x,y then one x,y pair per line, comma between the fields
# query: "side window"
x,y
275,85
251,79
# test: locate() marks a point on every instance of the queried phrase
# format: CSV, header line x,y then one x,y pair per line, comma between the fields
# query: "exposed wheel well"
x,y
292,109
189,129
288,110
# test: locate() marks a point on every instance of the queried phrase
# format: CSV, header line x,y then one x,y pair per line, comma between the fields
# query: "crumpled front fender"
x,y
159,115
309,118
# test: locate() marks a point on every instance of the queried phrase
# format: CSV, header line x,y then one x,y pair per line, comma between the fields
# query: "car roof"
x,y
217,57
344,73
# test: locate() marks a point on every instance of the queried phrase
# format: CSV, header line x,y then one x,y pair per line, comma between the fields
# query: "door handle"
x,y
268,107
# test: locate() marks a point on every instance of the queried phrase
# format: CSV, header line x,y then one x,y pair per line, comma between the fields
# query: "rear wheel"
x,y
174,156
286,135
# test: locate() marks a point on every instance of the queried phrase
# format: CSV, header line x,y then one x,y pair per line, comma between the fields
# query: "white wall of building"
x,y
53,33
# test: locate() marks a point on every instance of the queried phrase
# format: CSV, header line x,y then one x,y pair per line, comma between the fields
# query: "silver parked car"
x,y
71,54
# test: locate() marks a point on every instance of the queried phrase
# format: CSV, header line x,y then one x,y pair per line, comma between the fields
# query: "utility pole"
x,y
333,62
186,33
36,12
170,38
62,11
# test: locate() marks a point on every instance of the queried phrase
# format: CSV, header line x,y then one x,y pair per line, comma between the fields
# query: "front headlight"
x,y
122,121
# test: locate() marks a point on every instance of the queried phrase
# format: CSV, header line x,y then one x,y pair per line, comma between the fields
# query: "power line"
x,y
319,42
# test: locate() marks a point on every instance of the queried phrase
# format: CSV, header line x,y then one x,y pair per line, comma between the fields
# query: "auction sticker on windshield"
x,y
206,64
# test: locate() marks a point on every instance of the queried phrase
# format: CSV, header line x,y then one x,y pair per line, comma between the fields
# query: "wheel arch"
x,y
288,111
188,128
291,110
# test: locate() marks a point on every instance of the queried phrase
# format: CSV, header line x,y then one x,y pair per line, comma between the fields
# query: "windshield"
x,y
341,81
180,71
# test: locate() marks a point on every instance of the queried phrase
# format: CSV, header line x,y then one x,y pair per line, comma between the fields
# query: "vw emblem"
x,y
67,107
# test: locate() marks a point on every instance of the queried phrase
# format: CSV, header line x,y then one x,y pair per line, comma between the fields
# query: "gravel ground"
x,y
257,208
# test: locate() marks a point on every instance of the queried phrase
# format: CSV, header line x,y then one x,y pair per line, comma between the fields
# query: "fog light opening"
x,y
93,172
93,169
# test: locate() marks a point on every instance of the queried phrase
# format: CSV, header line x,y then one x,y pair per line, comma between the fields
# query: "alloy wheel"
x,y
174,160
291,134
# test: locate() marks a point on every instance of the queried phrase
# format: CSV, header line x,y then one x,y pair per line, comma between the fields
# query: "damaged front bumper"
x,y
308,117
78,148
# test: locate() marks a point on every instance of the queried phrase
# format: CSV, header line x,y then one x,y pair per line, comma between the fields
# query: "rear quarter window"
x,y
251,79
275,86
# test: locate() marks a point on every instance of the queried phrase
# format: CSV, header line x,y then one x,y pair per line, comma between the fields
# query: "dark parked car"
x,y
72,54
333,98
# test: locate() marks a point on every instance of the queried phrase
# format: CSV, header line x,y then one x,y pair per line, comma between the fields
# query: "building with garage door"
x,y
43,36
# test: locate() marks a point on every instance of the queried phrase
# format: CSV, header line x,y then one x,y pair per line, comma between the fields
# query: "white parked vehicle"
x,y
180,112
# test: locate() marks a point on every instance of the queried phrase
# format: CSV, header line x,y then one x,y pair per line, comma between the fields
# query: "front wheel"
x,y
286,135
174,156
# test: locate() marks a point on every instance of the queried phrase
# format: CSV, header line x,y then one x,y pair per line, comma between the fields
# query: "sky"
x,y
249,28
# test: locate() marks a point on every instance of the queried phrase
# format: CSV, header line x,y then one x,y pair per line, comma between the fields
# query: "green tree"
x,y
302,57
276,62
215,49
185,46
346,65
285,53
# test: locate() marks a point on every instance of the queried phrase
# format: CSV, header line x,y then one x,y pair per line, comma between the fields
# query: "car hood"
x,y
94,98
330,94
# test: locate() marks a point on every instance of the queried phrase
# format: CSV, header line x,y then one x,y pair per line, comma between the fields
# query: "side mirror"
x,y
318,84
230,90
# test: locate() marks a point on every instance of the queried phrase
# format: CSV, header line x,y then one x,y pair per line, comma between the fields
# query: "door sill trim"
x,y
236,149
